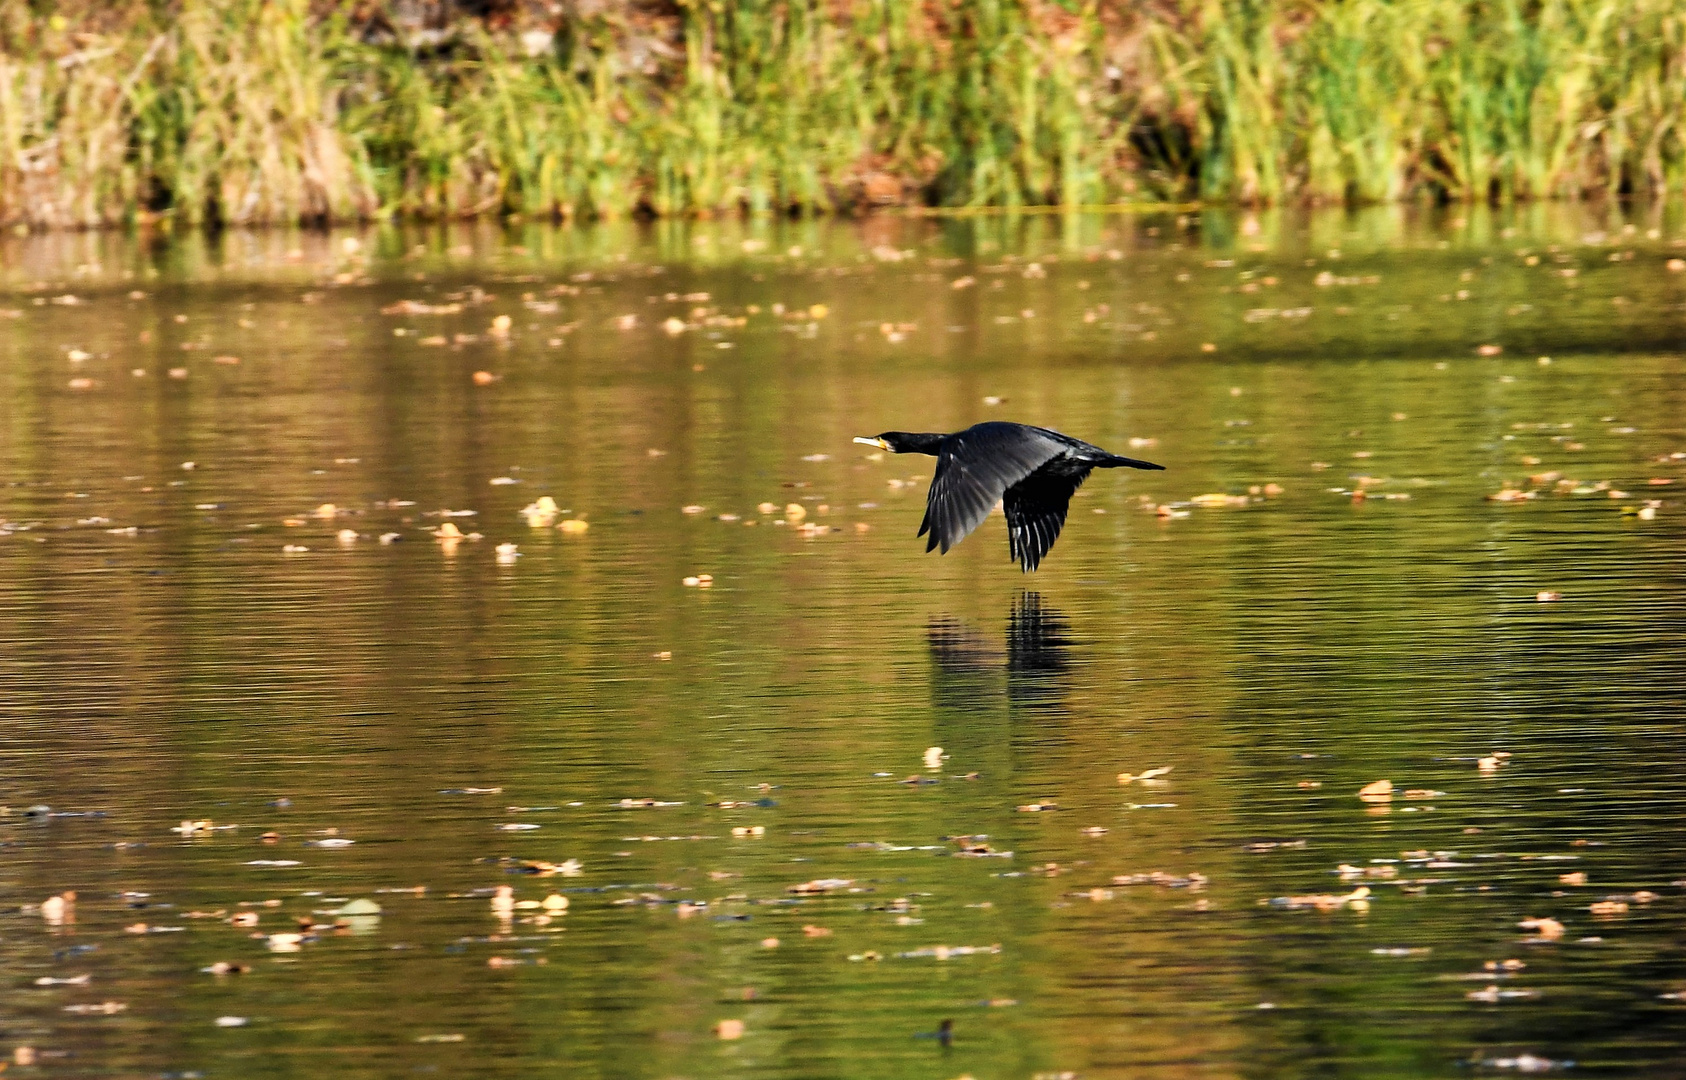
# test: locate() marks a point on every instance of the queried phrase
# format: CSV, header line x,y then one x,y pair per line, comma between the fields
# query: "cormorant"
x,y
1031,471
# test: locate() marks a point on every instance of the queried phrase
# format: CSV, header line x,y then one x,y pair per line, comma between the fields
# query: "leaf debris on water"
x,y
1192,880
1494,994
103,1008
947,952
1548,929
1377,791
1357,900
1529,1063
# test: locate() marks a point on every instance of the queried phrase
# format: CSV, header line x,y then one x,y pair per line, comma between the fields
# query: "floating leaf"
x,y
1376,791
359,906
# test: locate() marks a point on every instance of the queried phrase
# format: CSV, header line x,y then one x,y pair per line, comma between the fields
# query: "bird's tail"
x,y
1113,461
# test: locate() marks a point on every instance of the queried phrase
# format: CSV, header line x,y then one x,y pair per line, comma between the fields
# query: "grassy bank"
x,y
250,111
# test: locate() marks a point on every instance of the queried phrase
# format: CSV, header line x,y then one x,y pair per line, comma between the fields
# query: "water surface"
x,y
1360,608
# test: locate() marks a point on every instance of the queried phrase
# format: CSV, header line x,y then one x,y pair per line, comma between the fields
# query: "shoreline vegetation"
x,y
251,112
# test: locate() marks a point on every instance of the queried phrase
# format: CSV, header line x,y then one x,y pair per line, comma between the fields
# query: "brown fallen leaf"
x,y
1549,929
223,967
1377,791
416,307
1358,900
56,909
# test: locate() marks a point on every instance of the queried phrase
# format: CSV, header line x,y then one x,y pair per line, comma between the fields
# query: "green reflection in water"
x,y
1278,654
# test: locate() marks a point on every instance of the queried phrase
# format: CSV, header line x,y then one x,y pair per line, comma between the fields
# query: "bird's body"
x,y
1031,471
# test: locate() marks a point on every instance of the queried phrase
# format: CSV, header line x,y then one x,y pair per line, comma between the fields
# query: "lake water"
x,y
732,782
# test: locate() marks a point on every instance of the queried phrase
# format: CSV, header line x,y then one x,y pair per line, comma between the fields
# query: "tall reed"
x,y
287,110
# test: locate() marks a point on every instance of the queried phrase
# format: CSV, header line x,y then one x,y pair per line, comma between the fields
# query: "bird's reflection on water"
x,y
1038,649
982,692
1038,644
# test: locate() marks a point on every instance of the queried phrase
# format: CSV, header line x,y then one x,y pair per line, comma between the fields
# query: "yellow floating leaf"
x,y
1378,791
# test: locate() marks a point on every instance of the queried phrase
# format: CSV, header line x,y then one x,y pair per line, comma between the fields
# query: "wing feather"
x,y
974,471
1036,508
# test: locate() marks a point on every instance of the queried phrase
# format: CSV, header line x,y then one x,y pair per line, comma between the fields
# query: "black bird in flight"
x,y
1031,471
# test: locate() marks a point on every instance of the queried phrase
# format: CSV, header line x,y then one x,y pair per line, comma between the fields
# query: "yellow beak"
x,y
880,443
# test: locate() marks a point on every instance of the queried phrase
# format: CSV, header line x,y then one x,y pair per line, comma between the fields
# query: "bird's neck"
x,y
916,442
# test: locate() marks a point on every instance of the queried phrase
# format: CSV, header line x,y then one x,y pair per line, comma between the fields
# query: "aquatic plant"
x,y
244,111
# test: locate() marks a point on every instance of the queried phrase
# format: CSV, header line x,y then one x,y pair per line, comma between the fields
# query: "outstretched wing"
x,y
974,470
1036,508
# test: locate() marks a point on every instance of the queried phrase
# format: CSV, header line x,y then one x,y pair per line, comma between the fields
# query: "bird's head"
x,y
904,442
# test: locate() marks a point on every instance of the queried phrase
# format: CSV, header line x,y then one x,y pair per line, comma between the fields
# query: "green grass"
x,y
246,111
